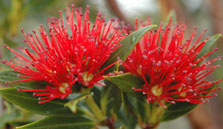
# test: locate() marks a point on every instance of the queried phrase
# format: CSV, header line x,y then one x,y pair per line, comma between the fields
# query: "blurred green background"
x,y
29,14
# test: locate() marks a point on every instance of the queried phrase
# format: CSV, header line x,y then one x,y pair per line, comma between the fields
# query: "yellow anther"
x,y
183,94
156,90
87,76
63,87
139,71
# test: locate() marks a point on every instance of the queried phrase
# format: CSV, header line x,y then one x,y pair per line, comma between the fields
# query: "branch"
x,y
201,119
168,5
114,7
216,14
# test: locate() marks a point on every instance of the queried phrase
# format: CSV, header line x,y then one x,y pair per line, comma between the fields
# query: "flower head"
x,y
71,54
170,67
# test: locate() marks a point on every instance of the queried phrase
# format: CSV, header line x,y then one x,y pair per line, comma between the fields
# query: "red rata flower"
x,y
170,67
72,53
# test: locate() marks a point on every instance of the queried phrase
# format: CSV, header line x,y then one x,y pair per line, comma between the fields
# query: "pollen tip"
x,y
6,82
22,30
219,88
19,89
34,31
205,29
34,94
187,100
195,28
121,72
4,61
4,45
88,6
219,58
112,19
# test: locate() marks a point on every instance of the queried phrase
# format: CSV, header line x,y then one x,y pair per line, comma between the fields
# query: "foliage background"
x,y
29,14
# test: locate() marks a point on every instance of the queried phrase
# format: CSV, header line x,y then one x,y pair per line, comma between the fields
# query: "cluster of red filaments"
x,y
73,52
172,68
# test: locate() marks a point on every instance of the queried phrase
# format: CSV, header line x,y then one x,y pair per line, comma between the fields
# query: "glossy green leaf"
x,y
177,110
126,82
19,123
28,102
128,105
114,100
127,44
53,122
210,43
126,119
12,76
142,109
105,99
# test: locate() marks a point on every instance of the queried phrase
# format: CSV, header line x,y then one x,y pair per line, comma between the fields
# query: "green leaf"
x,y
127,44
128,120
117,98
210,42
105,99
129,108
126,82
53,122
114,100
12,76
176,110
28,102
19,122
142,109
